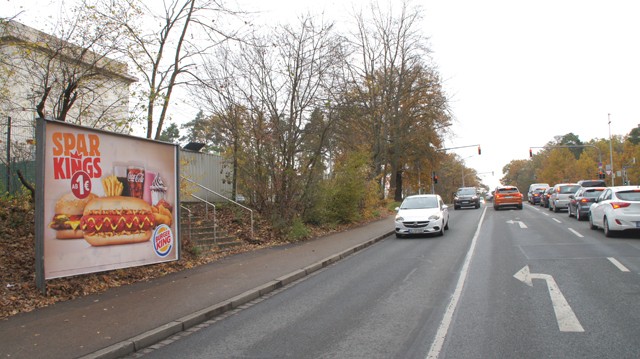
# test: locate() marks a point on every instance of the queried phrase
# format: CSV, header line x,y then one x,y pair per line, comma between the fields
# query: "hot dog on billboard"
x,y
117,220
68,213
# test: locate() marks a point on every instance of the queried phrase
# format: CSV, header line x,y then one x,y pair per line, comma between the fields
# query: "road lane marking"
x,y
576,232
618,264
566,318
438,341
557,220
520,223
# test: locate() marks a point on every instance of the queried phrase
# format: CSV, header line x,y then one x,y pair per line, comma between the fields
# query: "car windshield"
x,y
568,189
419,202
629,195
466,192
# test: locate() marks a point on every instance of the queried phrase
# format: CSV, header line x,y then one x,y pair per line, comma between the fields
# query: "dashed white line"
x,y
576,232
618,264
441,335
557,220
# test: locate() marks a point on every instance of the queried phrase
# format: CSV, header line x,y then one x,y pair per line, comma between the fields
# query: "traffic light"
x,y
530,153
479,150
434,176
600,175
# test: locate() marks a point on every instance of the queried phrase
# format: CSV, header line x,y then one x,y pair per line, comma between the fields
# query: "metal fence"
x,y
207,170
17,144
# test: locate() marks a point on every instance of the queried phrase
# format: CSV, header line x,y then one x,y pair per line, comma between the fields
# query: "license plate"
x,y
415,230
508,197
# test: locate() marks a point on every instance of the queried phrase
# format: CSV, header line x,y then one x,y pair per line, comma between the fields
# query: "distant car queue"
x,y
614,209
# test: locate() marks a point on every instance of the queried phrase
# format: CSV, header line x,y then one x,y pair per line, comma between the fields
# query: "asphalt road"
x,y
500,284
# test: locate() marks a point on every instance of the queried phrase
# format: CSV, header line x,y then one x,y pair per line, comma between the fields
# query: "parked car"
x,y
592,183
466,197
560,195
422,214
533,187
544,200
616,209
580,202
536,195
507,196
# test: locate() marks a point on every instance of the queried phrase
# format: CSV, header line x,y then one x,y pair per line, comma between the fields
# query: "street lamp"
x,y
611,152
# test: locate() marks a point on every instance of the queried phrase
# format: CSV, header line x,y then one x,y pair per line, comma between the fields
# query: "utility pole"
x,y
611,152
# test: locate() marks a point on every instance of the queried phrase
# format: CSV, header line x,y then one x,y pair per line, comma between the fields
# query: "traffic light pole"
x,y
434,176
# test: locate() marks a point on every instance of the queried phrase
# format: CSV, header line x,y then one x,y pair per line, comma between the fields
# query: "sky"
x,y
517,73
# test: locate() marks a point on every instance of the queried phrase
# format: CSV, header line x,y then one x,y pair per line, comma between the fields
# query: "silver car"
x,y
560,195
422,214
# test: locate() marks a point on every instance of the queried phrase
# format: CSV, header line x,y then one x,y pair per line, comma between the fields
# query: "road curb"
x,y
153,336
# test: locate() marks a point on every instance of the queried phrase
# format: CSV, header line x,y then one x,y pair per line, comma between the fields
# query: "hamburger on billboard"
x,y
109,201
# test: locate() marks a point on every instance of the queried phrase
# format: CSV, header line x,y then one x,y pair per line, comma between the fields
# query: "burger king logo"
x,y
162,240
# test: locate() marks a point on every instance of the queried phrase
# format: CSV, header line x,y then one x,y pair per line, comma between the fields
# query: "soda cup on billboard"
x,y
135,177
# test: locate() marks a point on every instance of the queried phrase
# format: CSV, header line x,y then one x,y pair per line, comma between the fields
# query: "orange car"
x,y
507,196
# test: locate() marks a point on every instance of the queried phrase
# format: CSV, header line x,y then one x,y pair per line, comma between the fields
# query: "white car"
x,y
616,209
422,214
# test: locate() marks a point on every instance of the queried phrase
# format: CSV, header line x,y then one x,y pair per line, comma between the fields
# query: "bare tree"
x,y
264,94
394,85
166,46
67,75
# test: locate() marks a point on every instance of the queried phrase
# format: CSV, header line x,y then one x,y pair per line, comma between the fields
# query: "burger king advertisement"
x,y
107,200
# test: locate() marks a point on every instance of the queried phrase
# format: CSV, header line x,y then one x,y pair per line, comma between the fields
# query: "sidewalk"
x,y
123,320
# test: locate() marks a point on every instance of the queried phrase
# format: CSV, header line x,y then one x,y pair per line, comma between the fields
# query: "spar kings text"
x,y
76,152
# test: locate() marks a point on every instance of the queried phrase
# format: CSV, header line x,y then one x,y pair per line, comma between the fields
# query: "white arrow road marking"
x,y
522,225
576,232
618,264
567,320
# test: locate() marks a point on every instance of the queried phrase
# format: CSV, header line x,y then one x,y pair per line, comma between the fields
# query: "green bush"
x,y
298,231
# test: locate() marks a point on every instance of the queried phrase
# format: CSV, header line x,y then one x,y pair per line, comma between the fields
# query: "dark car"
x,y
544,200
536,195
466,197
592,183
580,202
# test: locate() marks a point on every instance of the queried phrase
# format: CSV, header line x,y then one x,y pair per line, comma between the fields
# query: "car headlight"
x,y
474,197
434,217
399,219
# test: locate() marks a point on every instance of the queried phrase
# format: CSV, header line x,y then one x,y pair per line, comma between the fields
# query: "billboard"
x,y
106,201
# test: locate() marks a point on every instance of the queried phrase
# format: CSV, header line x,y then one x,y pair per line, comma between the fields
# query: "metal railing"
x,y
189,222
207,203
223,197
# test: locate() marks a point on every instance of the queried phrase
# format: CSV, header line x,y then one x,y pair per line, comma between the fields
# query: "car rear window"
x,y
594,183
507,190
419,202
568,189
629,195
592,193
